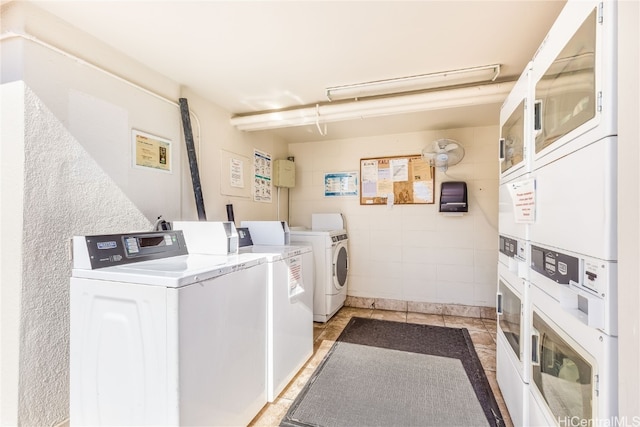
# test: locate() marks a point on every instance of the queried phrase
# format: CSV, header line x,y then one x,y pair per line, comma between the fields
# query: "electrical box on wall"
x,y
284,173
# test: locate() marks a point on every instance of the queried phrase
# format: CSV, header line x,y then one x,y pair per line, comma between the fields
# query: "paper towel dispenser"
x,y
453,197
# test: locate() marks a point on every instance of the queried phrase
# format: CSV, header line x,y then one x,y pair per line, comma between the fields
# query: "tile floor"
x,y
482,331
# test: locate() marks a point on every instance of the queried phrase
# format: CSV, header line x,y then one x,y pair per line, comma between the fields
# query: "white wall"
x,y
410,252
11,201
67,170
218,136
629,209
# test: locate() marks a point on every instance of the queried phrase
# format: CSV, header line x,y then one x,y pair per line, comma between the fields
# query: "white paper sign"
x,y
236,168
523,197
295,275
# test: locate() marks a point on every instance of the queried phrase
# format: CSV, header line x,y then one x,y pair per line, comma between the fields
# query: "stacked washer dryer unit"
x,y
328,239
513,352
572,247
290,276
163,337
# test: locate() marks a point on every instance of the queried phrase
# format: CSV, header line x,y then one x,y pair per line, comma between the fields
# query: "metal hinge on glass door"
x,y
599,102
596,380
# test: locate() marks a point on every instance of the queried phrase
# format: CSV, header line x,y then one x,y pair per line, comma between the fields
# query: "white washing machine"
x,y
331,256
290,276
163,337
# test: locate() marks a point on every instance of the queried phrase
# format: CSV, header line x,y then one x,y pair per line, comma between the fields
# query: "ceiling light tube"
x,y
452,98
484,73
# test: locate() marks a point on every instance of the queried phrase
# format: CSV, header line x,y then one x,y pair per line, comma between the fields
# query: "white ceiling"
x,y
249,56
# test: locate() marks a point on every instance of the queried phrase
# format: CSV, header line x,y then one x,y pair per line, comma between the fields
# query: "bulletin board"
x,y
408,178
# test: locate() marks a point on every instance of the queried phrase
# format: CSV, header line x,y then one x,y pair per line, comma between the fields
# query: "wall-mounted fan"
x,y
443,153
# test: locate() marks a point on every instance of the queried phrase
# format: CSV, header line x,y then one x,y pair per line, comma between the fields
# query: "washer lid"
x,y
175,271
329,233
276,252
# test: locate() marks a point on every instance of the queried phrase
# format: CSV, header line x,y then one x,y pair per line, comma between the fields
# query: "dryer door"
x,y
340,265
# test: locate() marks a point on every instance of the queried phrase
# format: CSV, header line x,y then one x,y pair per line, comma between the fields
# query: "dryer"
x,y
575,81
331,255
574,368
163,337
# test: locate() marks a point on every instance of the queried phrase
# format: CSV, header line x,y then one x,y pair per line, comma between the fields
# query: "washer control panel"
x,y
338,237
559,267
512,248
589,274
115,249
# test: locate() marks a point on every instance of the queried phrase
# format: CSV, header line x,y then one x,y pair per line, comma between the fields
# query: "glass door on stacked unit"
x,y
566,93
561,373
509,317
512,140
575,82
515,128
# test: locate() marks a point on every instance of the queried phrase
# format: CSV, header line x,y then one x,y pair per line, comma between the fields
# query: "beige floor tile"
x,y
390,304
359,302
464,322
272,413
490,324
482,339
297,383
338,321
488,312
487,357
425,319
461,310
320,349
395,316
331,333
425,307
354,312
317,332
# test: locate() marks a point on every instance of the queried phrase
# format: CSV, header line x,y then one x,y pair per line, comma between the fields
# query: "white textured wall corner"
x,y
66,193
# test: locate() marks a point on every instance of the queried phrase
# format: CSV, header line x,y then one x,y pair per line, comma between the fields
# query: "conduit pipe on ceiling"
x,y
404,104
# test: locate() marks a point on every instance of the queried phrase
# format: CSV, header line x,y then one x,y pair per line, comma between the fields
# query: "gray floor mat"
x,y
382,373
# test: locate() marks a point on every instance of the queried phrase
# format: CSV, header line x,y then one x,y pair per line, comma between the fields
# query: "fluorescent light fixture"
x,y
485,73
403,104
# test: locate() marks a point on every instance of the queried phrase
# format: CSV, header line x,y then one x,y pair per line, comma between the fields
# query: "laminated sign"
x,y
523,197
294,265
